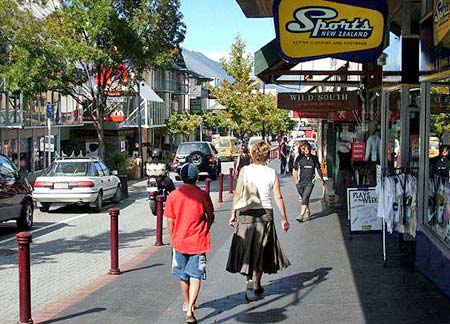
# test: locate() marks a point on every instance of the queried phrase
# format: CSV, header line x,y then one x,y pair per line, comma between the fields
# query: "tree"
x,y
237,95
217,120
183,124
250,111
80,46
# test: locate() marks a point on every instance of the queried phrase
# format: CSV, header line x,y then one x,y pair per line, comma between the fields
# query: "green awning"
x,y
268,59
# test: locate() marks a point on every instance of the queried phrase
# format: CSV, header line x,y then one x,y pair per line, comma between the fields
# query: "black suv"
x,y
16,202
202,154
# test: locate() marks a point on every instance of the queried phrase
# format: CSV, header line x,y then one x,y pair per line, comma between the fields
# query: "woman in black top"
x,y
304,174
242,160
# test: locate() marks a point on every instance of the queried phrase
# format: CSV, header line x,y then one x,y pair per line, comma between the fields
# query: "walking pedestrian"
x,y
255,248
242,160
304,175
190,214
283,151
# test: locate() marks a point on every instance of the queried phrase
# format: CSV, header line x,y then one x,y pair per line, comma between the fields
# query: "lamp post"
x,y
140,155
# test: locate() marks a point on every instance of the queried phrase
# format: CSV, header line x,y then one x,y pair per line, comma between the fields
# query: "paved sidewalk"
x,y
331,280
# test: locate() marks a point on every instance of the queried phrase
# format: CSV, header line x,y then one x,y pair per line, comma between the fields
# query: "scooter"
x,y
158,183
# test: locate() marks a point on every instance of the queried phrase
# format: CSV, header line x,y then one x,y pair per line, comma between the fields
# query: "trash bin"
x,y
124,182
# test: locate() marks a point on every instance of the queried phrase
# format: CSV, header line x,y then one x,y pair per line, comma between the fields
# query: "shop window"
x,y
437,217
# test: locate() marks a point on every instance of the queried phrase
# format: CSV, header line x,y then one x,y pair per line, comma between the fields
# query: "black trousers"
x,y
283,161
305,192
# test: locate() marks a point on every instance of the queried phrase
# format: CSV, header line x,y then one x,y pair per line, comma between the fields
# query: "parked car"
x,y
202,154
77,180
16,202
227,146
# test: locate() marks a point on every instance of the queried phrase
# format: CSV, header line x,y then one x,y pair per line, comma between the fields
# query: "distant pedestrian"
x,y
190,214
304,175
243,159
255,248
283,152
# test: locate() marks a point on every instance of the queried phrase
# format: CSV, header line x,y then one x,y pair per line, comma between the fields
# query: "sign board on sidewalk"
x,y
362,205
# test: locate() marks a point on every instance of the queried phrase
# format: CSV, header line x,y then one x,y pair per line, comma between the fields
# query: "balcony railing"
x,y
170,86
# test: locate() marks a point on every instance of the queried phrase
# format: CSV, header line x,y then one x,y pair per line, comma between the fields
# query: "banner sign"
x,y
324,101
441,22
338,116
350,30
358,151
362,203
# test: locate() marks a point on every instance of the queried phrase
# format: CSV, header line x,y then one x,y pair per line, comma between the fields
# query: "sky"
x,y
212,26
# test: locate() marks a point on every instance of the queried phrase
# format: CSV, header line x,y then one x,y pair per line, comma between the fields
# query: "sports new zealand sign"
x,y
349,29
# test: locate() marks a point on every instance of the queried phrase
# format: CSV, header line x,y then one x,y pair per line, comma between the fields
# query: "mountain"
x,y
201,64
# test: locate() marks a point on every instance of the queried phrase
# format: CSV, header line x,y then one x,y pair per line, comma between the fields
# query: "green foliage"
x,y
183,124
248,110
217,120
237,95
79,43
440,123
119,162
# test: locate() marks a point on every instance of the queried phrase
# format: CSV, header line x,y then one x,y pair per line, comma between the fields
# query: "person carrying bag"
x,y
255,248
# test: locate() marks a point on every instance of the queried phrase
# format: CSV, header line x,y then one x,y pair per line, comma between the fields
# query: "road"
x,y
71,247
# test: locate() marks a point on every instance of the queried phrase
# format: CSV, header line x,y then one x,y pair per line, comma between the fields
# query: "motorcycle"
x,y
158,183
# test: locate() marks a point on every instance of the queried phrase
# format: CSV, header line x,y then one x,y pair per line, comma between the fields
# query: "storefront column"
x,y
404,126
424,144
384,130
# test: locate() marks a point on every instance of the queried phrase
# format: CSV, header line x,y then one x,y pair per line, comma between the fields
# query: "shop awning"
x,y
268,59
148,93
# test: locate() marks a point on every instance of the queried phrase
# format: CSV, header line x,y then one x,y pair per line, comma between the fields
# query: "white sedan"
x,y
76,180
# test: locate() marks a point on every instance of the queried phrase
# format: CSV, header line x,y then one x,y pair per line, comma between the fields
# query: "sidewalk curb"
x,y
58,307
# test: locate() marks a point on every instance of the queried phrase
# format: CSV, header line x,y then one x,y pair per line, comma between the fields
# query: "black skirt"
x,y
255,246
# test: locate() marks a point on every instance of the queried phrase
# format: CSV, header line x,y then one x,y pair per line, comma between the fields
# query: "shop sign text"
x,y
325,102
350,30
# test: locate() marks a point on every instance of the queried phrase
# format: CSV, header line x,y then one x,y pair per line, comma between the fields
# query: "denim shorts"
x,y
185,266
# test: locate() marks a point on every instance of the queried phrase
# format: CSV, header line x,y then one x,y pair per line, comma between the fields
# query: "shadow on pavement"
x,y
143,268
45,252
86,312
296,286
394,294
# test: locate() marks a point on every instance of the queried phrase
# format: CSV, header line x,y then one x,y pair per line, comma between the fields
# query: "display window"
x,y
437,215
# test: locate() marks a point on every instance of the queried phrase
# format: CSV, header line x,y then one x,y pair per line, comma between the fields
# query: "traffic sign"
x,y
50,111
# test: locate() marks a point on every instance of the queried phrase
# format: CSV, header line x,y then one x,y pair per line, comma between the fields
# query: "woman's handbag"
x,y
246,195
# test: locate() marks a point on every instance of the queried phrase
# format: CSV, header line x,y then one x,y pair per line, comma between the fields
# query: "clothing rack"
x,y
392,173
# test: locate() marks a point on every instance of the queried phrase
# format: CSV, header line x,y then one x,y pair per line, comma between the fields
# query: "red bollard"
x,y
159,220
23,239
208,185
114,240
220,187
231,180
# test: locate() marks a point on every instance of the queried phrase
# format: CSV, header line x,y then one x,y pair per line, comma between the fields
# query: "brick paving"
x,y
331,280
76,252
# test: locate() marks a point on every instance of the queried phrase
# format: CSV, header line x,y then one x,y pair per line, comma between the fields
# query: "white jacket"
x,y
373,148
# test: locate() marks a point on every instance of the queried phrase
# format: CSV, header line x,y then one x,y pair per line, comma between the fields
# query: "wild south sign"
x,y
349,29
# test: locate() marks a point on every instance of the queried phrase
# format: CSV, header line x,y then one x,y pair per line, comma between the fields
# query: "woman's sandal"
x,y
259,291
249,292
191,320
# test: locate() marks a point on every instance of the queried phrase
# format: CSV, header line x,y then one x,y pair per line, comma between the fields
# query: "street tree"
x,y
250,111
218,121
183,124
236,95
87,49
